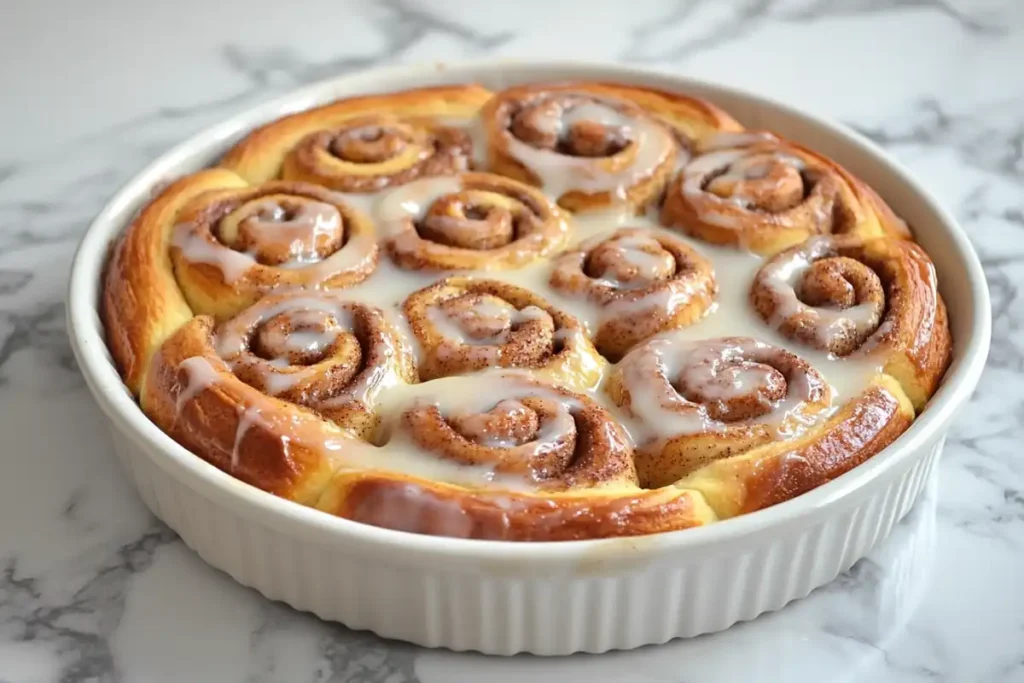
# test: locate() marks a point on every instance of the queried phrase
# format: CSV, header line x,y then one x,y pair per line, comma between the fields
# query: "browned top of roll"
x,y
695,117
490,223
466,324
365,143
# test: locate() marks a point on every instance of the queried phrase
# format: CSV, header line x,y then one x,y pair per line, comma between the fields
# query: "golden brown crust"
x,y
142,304
276,149
441,510
781,471
265,442
251,400
490,223
881,220
919,343
759,192
638,298
498,325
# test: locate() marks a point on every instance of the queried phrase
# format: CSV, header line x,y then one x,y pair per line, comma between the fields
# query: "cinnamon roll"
x,y
472,221
644,282
781,470
506,457
758,192
464,325
274,395
698,401
593,144
230,247
852,296
365,144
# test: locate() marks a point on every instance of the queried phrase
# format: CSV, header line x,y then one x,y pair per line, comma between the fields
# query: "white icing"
x,y
662,299
197,247
635,250
488,314
200,377
247,417
412,200
311,221
478,135
470,395
304,341
311,309
713,370
561,173
589,111
475,426
730,164
277,383
276,374
781,277
357,253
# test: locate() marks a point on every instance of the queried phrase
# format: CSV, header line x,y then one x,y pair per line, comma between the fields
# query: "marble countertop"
x,y
93,588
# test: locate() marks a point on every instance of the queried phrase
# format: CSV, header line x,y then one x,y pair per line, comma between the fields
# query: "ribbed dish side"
x,y
546,616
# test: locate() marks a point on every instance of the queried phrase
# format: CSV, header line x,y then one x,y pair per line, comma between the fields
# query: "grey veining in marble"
x,y
92,588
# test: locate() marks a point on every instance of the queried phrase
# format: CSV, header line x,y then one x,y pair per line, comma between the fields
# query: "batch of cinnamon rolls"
x,y
555,312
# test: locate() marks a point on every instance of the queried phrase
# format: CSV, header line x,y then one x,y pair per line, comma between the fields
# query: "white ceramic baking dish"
x,y
544,598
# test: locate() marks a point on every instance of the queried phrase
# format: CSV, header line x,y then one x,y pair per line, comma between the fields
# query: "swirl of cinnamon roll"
x,y
231,246
472,221
545,437
852,297
587,148
365,144
272,393
701,400
464,325
328,354
515,459
369,153
758,192
644,282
